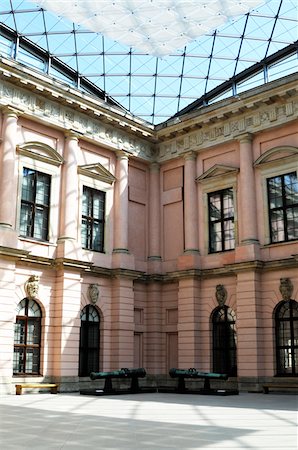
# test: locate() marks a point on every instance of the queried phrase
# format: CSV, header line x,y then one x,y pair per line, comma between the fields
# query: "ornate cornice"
x,y
87,124
232,119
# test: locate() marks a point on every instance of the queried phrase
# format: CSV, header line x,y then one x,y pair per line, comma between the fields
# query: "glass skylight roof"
x,y
248,50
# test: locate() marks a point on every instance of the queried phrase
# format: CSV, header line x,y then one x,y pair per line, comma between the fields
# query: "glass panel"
x,y
96,244
214,207
277,226
275,192
19,331
292,221
285,358
216,237
85,203
21,308
32,360
228,207
84,314
291,189
40,223
33,331
229,235
33,309
26,220
84,233
28,190
18,360
93,314
43,189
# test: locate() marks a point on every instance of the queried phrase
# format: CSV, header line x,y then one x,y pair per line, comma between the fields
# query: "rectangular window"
x,y
93,214
283,207
35,204
221,221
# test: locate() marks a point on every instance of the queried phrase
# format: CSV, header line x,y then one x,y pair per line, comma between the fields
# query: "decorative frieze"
x,y
55,114
229,129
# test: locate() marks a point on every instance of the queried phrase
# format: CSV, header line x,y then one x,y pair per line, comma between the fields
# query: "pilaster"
x,y
8,179
188,322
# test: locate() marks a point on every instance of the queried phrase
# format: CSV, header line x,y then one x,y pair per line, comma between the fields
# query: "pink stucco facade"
x,y
156,276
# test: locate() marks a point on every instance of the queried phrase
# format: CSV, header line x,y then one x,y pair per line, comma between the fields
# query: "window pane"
x,y
33,331
292,221
28,185
85,203
42,189
275,192
33,309
228,208
96,245
216,237
18,360
84,231
32,360
19,332
41,223
291,189
277,226
229,234
26,220
214,207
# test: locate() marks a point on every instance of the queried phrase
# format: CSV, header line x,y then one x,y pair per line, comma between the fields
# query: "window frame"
x,y
34,206
229,352
292,348
44,159
219,177
272,163
91,220
284,208
221,221
85,350
25,318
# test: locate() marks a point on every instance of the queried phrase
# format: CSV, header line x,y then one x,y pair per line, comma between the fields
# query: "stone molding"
x,y
66,118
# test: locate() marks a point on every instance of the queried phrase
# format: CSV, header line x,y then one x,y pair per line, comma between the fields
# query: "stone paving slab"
x,y
148,421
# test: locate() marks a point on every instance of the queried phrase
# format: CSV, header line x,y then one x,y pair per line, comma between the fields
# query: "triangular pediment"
x,y
218,170
277,153
41,152
98,172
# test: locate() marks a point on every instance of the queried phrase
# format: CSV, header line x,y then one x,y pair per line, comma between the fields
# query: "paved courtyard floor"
x,y
148,421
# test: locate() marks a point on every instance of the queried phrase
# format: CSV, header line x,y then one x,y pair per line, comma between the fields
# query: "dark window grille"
x,y
89,341
35,204
221,221
27,336
283,207
286,332
224,341
93,215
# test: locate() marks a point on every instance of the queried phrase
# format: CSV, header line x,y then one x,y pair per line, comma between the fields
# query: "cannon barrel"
x,y
122,373
194,373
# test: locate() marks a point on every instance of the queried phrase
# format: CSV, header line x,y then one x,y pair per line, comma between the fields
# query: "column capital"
x,y
245,138
8,111
190,156
72,134
121,154
154,167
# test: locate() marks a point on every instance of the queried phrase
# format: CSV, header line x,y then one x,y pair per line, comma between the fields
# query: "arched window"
x,y
286,332
224,341
89,341
27,333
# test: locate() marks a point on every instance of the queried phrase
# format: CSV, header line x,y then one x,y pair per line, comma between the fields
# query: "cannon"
x,y
193,373
133,374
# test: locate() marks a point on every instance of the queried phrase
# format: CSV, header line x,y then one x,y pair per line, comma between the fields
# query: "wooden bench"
x,y
280,386
53,387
